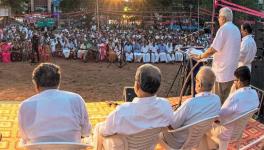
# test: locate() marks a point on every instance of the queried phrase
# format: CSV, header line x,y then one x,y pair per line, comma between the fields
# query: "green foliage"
x,y
70,5
17,6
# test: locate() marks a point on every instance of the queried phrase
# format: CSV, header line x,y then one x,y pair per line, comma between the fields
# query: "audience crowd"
x,y
56,115
111,42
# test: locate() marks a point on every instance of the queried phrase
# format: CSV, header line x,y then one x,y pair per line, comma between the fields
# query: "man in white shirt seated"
x,y
239,102
82,52
170,52
204,105
248,48
128,52
146,111
52,115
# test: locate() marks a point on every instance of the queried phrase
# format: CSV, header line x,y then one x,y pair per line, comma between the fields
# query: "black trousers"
x,y
34,50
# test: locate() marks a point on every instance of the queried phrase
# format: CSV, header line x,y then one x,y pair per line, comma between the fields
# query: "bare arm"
x,y
209,52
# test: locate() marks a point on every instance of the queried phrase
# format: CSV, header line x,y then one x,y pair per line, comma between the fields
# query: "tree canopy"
x,y
17,6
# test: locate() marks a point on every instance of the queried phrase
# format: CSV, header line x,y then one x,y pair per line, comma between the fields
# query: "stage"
x,y
98,111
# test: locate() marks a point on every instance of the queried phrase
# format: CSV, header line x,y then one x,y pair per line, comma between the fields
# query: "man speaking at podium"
x,y
225,50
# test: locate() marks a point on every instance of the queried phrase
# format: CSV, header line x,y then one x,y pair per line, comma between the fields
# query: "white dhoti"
x,y
146,57
152,58
156,57
178,56
170,57
106,143
163,57
53,49
66,52
129,57
81,54
138,57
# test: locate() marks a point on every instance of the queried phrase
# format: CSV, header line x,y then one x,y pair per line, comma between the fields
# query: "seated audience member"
x,y
137,52
128,52
205,104
52,115
146,111
242,100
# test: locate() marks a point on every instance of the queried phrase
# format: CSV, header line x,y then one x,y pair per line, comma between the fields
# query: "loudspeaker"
x,y
260,43
257,72
259,34
129,94
260,53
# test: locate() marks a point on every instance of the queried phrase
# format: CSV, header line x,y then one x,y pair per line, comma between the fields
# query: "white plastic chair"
x,y
145,140
239,124
55,146
196,131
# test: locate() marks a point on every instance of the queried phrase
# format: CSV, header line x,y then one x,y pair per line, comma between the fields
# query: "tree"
x,y
17,6
70,5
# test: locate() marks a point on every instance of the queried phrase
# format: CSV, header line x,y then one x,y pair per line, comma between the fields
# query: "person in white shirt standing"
x,y
248,48
225,50
52,115
146,111
205,104
239,102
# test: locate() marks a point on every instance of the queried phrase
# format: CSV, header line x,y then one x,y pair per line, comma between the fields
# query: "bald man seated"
x,y
204,105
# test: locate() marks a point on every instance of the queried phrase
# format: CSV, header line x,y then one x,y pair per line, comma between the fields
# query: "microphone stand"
x,y
183,67
186,81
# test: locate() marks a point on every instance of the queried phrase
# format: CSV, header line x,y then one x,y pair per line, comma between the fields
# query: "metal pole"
x,y
97,15
198,15
213,15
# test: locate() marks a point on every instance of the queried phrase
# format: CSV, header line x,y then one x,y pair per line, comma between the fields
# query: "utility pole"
x,y
198,15
97,16
213,16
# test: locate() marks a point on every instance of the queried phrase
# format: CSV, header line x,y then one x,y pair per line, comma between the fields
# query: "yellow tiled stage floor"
x,y
9,122
97,113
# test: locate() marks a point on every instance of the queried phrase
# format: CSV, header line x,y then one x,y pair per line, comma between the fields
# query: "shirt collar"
x,y
246,37
203,94
227,23
244,88
144,99
48,90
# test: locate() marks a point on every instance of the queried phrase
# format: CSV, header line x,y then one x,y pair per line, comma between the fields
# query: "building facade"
x,y
41,6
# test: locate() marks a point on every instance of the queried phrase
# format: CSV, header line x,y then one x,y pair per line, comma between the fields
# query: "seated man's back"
x,y
146,111
239,102
204,105
244,99
52,115
139,115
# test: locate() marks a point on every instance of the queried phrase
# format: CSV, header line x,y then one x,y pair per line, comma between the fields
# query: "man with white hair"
x,y
204,105
225,50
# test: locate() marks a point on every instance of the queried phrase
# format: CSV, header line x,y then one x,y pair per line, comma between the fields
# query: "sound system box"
x,y
257,80
257,72
259,35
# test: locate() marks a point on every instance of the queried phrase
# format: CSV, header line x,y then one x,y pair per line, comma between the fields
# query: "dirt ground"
x,y
93,81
